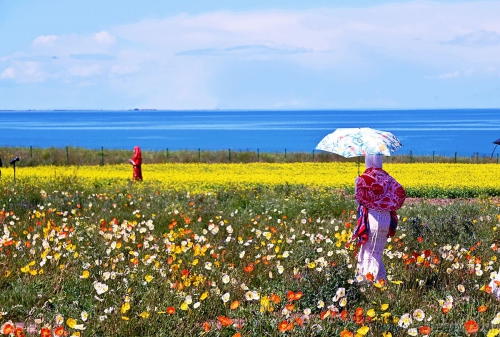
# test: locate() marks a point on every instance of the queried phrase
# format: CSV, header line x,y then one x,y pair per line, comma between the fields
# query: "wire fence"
x,y
31,156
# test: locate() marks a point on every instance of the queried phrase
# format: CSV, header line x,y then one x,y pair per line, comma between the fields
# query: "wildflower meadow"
x,y
243,250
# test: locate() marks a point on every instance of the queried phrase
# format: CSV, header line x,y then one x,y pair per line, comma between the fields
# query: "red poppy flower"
x,y
7,328
482,308
471,326
59,331
370,277
170,310
45,332
344,315
324,314
19,332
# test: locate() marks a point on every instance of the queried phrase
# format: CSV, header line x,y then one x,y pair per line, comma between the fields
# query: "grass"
x,y
146,259
82,156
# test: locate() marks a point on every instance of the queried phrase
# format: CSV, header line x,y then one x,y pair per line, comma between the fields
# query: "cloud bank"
x,y
268,59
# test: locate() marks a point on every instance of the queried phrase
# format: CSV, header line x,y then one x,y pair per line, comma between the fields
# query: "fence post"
x,y
455,157
258,155
411,157
313,155
285,153
167,153
433,156
31,152
102,155
229,155
199,155
67,155
477,157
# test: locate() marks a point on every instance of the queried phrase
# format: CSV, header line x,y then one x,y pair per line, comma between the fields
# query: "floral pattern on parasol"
x,y
355,142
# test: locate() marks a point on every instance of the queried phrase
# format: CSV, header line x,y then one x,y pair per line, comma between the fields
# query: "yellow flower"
x,y
204,296
184,306
125,307
71,323
384,307
144,314
85,274
370,313
493,332
311,265
148,278
386,334
363,330
125,318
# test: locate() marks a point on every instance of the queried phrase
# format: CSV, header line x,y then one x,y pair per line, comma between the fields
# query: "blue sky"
x,y
59,54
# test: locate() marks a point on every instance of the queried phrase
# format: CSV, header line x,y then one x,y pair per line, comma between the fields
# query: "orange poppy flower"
x,y
206,327
482,308
290,307
235,305
238,334
275,298
471,326
299,321
285,326
445,310
249,268
370,277
225,321
282,327
346,333
170,310
292,296
359,312
425,330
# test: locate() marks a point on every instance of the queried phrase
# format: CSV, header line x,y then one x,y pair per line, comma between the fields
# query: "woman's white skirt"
x,y
370,253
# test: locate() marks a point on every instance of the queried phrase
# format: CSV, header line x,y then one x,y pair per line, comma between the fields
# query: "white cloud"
x,y
45,40
182,61
85,71
454,74
104,37
8,73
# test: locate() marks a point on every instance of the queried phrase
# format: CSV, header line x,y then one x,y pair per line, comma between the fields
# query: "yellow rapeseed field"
x,y
331,175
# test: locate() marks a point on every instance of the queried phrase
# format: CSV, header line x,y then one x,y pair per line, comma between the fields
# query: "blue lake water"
x,y
444,132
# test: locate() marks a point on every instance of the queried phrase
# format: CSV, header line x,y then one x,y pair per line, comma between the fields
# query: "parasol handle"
x,y
493,151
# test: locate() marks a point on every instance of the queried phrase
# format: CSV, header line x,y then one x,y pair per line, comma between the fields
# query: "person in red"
x,y
136,162
379,196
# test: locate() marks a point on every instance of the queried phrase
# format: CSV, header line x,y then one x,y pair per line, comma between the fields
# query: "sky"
x,y
260,54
